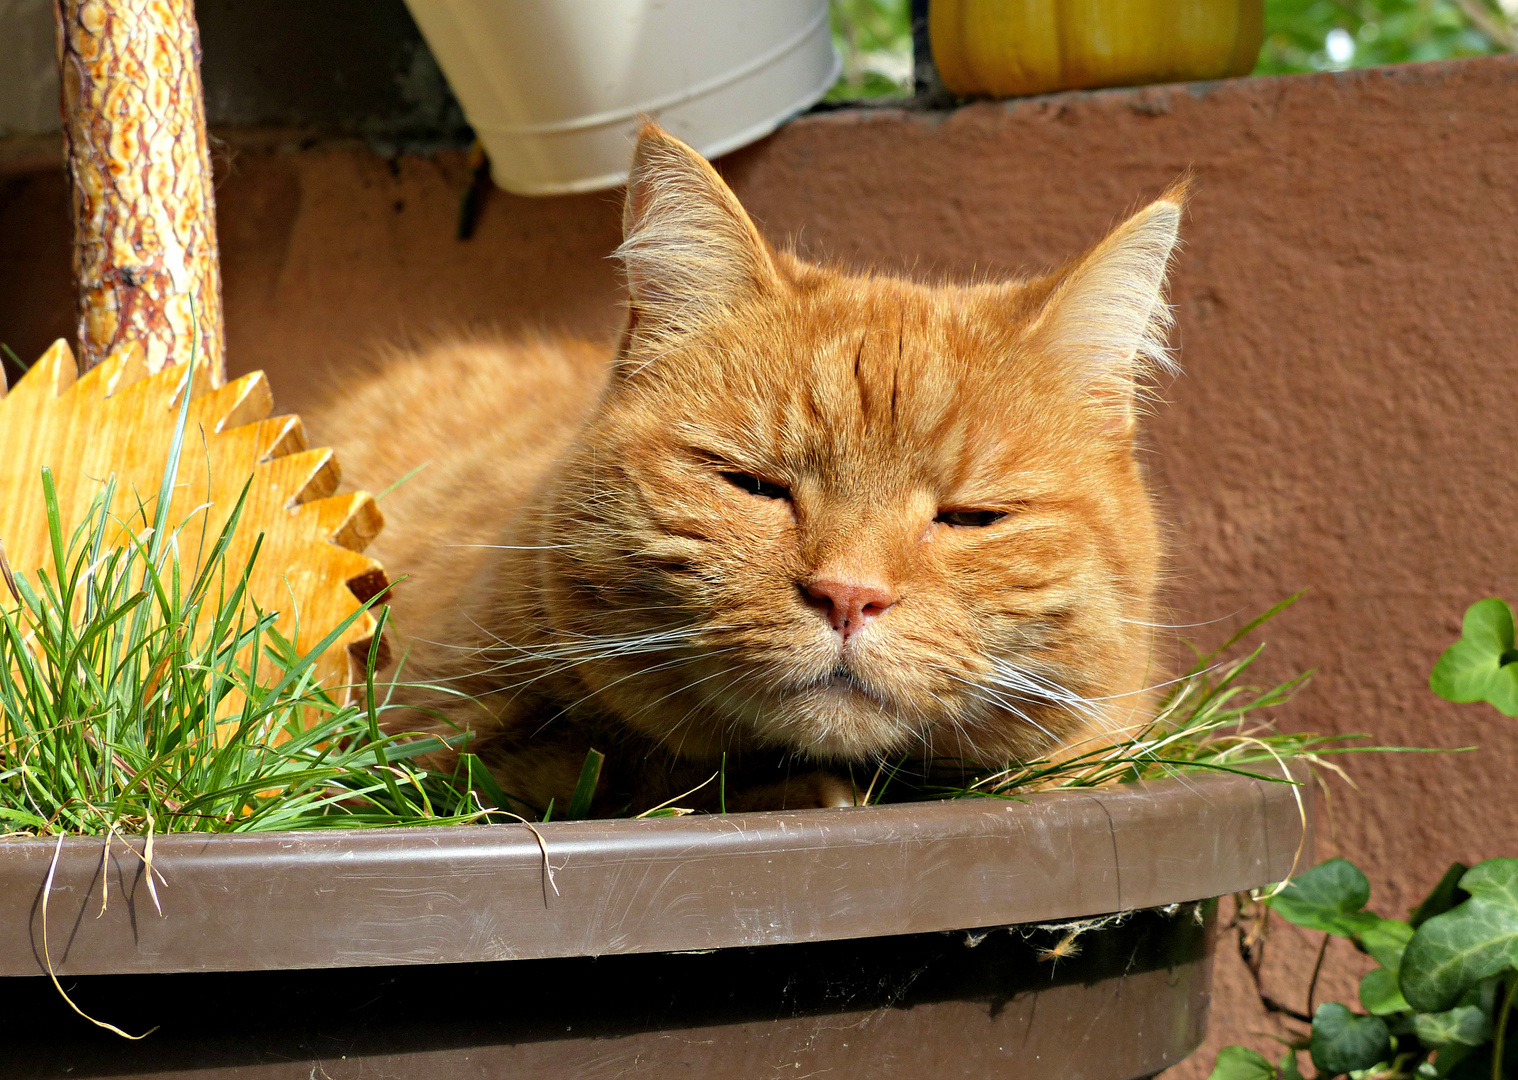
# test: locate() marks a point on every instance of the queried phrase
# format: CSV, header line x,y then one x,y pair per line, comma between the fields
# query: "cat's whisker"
x,y
1008,675
1209,669
1176,626
1020,690
678,690
681,726
568,665
630,675
515,547
565,662
478,649
990,696
568,708
589,647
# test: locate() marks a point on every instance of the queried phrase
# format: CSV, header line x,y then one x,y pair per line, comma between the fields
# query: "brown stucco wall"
x,y
1346,317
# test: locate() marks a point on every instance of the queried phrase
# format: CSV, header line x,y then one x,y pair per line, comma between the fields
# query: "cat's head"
x,y
853,515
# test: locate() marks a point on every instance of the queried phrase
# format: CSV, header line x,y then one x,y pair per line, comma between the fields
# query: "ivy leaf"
x,y
1343,1042
1289,1069
1443,896
1459,1062
1463,1062
1380,995
1328,897
1386,941
1451,952
1466,1025
1481,665
1241,1063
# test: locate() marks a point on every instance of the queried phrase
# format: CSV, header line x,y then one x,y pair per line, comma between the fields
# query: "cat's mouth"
x,y
842,680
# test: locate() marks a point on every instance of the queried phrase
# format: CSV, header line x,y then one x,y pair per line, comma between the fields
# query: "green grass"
x,y
1209,720
142,690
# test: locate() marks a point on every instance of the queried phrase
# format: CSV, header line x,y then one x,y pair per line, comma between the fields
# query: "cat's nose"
x,y
848,605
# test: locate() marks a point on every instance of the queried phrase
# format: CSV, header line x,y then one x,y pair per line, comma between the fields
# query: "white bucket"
x,y
553,88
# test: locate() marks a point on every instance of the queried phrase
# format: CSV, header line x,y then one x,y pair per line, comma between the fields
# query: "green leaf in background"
x,y
1328,897
1451,952
1289,1068
1299,33
1241,1063
1343,1042
874,40
1380,995
1482,665
1444,896
1466,1025
1460,1063
1386,940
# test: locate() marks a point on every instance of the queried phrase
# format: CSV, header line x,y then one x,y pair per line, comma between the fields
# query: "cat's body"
x,y
804,519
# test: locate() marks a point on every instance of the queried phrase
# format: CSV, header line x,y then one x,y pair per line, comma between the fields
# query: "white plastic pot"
x,y
553,88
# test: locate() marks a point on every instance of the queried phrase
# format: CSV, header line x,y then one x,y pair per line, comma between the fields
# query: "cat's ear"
x,y
1107,320
690,250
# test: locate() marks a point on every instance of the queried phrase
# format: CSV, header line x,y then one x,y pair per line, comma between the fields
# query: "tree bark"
x,y
145,257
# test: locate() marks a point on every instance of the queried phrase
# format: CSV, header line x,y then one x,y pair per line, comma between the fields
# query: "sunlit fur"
x,y
580,566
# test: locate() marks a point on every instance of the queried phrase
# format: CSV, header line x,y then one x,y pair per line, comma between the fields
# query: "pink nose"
x,y
848,605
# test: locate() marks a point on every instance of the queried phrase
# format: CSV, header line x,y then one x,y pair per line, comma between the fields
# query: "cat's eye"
x,y
970,519
755,486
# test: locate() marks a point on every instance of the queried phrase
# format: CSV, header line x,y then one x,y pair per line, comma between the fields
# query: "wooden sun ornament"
x,y
119,420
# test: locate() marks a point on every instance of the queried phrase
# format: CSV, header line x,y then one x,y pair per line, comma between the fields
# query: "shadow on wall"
x,y
355,67
331,252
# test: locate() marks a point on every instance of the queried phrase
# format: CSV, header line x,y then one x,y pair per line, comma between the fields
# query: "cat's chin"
x,y
837,720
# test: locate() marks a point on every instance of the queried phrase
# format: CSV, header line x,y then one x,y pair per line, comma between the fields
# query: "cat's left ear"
x,y
691,251
1107,320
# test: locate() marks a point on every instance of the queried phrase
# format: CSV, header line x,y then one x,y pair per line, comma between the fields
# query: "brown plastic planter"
x,y
874,942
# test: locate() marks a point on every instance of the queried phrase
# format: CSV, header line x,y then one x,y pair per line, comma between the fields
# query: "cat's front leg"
x,y
804,791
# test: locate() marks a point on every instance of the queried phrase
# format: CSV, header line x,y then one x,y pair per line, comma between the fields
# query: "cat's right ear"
x,y
1107,319
690,250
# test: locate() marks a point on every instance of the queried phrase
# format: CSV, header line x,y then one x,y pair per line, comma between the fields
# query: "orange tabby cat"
x,y
806,518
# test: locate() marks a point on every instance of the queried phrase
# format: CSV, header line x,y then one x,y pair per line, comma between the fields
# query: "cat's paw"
x,y
822,790
809,791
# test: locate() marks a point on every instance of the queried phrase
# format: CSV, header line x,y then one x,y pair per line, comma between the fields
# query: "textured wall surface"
x,y
1346,318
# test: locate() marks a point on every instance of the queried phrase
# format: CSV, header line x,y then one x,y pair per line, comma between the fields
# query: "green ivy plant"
x,y
1439,1002
1482,665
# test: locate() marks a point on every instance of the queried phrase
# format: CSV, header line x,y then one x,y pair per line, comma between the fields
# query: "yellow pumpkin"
x,y
1004,48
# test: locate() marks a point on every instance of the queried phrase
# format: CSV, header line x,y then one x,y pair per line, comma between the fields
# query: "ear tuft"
x,y
1108,319
689,248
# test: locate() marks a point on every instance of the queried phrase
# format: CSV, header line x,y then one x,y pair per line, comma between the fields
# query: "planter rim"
x,y
352,898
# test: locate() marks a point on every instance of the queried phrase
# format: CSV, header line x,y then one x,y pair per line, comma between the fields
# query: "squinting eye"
x,y
970,519
755,486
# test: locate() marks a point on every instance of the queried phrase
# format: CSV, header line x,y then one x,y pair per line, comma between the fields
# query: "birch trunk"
x,y
145,258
